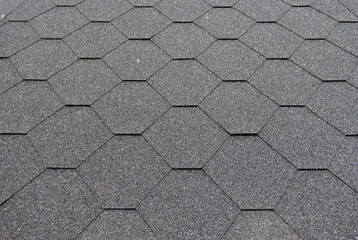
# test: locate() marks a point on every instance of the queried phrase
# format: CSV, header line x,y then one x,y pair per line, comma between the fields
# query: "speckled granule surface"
x,y
179,119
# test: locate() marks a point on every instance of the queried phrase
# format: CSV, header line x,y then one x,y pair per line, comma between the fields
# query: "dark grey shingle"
x,y
29,9
345,35
334,9
9,76
105,10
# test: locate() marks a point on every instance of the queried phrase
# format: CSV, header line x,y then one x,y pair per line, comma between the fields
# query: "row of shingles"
x,y
12,153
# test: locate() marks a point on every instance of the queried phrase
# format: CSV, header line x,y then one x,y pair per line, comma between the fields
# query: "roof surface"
x,y
179,119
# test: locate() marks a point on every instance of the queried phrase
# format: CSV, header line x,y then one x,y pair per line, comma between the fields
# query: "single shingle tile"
x,y
221,3
185,137
19,164
182,10
95,40
144,3
285,82
263,10
30,9
238,107
104,10
56,205
58,22
137,60
183,40
130,108
9,76
272,40
307,22
123,171
334,9
26,105
141,23
119,225
337,103
225,22
84,82
260,225
345,35
16,36
69,136
250,172
303,138
184,82
317,205
325,60
300,2
188,205
231,60
67,2
43,59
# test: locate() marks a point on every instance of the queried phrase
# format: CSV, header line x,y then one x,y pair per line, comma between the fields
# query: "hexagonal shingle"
x,y
185,137
285,82
105,10
250,172
225,22
308,22
184,82
344,35
118,225
9,76
183,40
56,205
260,225
221,3
130,108
84,82
267,10
304,139
95,40
188,205
19,164
141,23
238,107
337,104
26,105
317,205
334,9
231,60
272,40
136,60
325,60
69,136
15,36
58,22
30,9
144,3
123,171
43,59
182,10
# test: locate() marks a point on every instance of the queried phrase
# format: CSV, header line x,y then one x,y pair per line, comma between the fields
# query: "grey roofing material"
x,y
178,119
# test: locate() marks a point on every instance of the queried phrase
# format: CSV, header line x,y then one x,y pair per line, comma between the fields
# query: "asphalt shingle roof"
x,y
179,119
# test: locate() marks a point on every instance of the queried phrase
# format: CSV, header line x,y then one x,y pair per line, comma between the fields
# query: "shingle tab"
x,y
26,105
183,40
317,205
188,205
185,137
231,60
105,10
123,171
56,205
272,40
43,59
184,82
238,107
130,108
250,172
84,82
304,139
69,136
345,35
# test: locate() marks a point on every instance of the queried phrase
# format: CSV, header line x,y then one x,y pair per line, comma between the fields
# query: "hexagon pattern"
x,y
178,119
